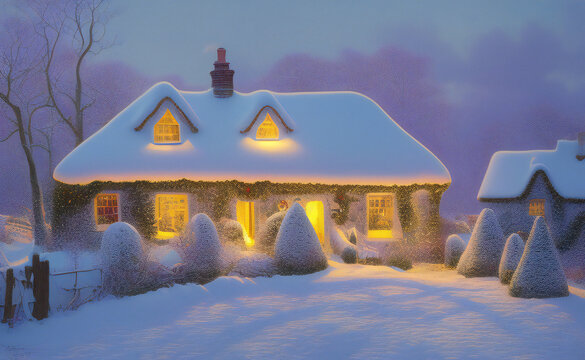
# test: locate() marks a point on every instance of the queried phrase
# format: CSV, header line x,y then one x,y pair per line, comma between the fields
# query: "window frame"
x,y
377,233
103,227
176,123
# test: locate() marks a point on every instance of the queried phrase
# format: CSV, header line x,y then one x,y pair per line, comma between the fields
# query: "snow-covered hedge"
x,y
122,258
254,265
342,247
454,248
203,250
539,273
297,249
482,255
267,234
511,257
231,231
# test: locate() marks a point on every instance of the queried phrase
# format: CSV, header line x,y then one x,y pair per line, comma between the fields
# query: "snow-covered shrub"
x,y
297,249
454,248
482,255
122,258
511,257
267,234
203,251
352,236
449,227
255,264
349,255
539,273
231,231
342,247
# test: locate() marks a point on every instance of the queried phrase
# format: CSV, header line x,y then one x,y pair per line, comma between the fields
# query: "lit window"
x,y
268,129
536,207
380,211
106,210
171,214
166,130
245,216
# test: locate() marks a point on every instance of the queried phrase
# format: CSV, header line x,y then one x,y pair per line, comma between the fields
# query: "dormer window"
x,y
166,130
267,129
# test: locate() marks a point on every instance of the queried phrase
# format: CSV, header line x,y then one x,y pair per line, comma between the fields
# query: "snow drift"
x,y
511,257
297,249
539,273
482,255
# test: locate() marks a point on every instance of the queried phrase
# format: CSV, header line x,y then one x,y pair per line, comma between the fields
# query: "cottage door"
x,y
315,214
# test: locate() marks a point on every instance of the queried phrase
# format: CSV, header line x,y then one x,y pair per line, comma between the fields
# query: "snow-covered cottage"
x,y
520,185
171,154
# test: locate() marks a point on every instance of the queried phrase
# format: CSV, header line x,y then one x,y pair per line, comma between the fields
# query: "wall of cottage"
x,y
561,215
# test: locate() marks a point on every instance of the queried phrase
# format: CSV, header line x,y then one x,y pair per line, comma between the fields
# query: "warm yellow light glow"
x,y
315,214
106,210
276,147
268,129
245,216
380,212
166,130
536,207
171,213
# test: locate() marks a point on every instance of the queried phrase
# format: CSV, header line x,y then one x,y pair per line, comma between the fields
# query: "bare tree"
x,y
82,21
23,101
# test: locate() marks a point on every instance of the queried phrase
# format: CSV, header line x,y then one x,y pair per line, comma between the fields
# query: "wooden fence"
x,y
37,279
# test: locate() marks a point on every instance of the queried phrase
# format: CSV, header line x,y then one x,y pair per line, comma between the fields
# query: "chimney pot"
x,y
222,77
221,55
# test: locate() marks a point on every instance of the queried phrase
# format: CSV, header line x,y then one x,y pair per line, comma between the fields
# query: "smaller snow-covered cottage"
x,y
245,156
521,185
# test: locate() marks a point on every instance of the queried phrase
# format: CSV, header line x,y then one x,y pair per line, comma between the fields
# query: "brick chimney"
x,y
222,78
581,146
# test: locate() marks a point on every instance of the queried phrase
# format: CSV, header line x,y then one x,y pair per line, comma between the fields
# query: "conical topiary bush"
x,y
454,248
482,255
203,249
539,273
511,257
297,249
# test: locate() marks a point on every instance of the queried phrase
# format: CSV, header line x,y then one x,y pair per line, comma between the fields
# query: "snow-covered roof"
x,y
509,172
326,137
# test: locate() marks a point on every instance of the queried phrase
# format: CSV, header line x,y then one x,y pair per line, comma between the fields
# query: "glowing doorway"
x,y
315,214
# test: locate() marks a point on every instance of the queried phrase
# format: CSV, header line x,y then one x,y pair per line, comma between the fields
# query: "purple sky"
x,y
464,78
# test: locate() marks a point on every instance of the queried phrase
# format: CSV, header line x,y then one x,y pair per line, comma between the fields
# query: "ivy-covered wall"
x,y
69,199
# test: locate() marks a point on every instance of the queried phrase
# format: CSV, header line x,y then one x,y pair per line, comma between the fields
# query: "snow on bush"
x,y
482,255
203,251
254,265
454,248
352,236
511,257
297,249
231,231
122,256
539,273
267,234
342,247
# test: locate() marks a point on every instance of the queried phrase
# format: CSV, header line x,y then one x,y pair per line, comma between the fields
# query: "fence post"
x,y
8,297
40,271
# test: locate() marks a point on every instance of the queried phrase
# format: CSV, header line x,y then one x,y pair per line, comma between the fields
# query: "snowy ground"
x,y
346,311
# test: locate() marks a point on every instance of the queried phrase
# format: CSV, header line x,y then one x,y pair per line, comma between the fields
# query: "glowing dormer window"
x,y
268,129
166,130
